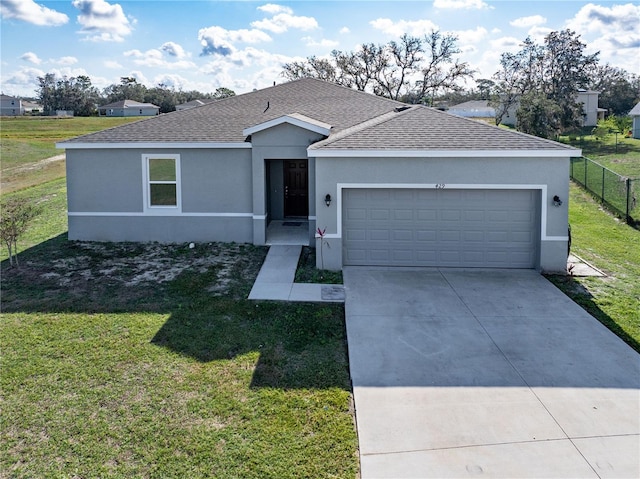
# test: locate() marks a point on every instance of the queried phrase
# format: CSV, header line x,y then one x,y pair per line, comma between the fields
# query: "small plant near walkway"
x,y
307,271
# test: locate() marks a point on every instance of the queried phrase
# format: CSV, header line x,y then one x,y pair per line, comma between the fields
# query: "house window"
x,y
162,182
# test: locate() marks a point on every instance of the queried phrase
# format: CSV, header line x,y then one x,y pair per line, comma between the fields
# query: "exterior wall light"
x,y
327,200
557,201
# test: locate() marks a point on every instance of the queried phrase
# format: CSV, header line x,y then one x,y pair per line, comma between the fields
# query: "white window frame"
x,y
146,185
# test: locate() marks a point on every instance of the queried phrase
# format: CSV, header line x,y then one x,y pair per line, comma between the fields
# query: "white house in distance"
x,y
635,116
128,108
589,100
11,106
194,103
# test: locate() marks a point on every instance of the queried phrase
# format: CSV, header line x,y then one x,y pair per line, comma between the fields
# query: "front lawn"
x,y
146,360
614,247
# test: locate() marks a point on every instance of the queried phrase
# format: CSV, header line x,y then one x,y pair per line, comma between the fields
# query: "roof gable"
x,y
295,119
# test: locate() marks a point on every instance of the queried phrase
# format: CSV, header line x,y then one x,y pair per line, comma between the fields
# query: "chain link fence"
x,y
616,192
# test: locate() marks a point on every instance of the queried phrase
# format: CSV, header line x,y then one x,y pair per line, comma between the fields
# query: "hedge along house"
x,y
388,183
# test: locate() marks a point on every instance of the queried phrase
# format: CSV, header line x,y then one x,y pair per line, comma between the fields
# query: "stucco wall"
x,y
548,175
105,197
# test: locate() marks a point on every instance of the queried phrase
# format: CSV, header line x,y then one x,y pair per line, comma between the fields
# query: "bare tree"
x,y
412,68
442,71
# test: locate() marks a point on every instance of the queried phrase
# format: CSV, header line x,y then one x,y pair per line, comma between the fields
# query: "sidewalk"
x,y
275,280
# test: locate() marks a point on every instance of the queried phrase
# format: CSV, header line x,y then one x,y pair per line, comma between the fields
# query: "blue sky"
x,y
242,45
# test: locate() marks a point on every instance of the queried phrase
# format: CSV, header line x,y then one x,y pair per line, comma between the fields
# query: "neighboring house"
x,y
473,109
389,183
635,116
128,108
592,113
589,100
194,103
31,107
11,106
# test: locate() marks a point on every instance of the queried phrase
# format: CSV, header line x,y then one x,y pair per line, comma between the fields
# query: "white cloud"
x,y
345,30
102,21
171,81
397,29
265,67
324,43
528,22
272,9
154,58
31,58
140,78
466,37
32,12
112,64
616,25
64,61
22,82
538,33
282,22
613,31
173,49
217,40
461,5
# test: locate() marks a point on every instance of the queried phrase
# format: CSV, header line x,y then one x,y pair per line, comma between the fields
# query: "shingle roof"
x,y
128,104
224,120
358,120
419,127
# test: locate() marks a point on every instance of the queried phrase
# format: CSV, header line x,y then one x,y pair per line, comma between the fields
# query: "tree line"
x,y
81,96
540,82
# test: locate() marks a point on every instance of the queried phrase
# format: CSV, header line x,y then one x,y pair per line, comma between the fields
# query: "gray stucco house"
x,y
635,117
128,108
389,183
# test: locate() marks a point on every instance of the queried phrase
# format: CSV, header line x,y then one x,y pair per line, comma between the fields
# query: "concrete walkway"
x,y
492,373
275,280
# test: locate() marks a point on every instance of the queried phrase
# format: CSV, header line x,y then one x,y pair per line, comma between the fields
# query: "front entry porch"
x,y
288,232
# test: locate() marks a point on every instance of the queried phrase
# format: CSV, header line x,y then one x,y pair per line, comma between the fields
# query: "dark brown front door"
x,y
296,188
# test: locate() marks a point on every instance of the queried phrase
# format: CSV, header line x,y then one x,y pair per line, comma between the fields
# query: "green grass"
x,y
623,159
25,141
51,198
146,360
613,247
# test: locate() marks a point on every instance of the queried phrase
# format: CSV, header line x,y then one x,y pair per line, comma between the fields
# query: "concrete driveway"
x,y
493,373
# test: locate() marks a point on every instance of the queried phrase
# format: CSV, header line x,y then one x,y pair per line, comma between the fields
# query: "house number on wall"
x,y
440,186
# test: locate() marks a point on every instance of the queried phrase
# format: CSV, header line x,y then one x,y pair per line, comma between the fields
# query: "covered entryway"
x,y
441,227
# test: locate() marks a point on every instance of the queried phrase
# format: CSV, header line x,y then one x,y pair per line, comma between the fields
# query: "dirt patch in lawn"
x,y
114,276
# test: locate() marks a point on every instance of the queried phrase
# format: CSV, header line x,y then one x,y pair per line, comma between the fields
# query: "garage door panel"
x,y
423,214
414,227
403,215
403,235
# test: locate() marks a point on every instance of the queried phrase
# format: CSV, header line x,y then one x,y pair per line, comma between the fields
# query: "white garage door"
x,y
440,227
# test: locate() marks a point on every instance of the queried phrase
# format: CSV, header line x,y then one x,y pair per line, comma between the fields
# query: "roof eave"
x,y
151,145
353,153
